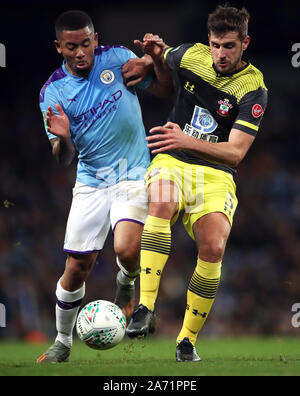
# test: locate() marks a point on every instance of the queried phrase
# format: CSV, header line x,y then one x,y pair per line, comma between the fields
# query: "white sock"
x,y
125,277
67,307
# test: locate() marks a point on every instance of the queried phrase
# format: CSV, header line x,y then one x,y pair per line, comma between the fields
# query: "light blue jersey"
x,y
106,125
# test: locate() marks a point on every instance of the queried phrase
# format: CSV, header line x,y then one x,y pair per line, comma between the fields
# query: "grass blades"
x,y
156,357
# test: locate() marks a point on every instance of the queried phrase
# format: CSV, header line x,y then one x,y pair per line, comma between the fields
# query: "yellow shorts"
x,y
201,189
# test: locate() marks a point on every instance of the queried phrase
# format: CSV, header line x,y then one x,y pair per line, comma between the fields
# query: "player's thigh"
x,y
164,181
88,222
128,214
211,233
213,192
163,199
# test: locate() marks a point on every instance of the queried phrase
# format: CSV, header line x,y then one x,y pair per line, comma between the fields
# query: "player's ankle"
x,y
65,339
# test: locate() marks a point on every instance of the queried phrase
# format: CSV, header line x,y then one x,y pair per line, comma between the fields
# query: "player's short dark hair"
x,y
226,18
73,20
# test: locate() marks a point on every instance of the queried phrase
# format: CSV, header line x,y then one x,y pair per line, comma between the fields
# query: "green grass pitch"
x,y
156,357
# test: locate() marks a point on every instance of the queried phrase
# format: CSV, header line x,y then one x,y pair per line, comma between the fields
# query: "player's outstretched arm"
x,y
152,45
135,70
59,125
171,137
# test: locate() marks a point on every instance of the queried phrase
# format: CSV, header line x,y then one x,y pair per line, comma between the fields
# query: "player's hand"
x,y
59,125
167,137
152,45
135,70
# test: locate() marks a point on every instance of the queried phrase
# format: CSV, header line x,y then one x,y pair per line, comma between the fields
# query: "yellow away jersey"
x,y
209,104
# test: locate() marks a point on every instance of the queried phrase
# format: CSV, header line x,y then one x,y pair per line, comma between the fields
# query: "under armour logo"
x,y
189,87
196,312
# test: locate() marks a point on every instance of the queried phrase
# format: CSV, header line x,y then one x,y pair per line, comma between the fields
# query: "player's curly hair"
x,y
226,18
73,20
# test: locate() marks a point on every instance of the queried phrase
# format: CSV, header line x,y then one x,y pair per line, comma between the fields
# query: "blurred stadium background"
x,y
261,277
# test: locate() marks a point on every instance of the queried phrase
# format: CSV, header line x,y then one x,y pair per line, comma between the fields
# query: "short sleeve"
x,y
124,54
47,98
251,111
173,55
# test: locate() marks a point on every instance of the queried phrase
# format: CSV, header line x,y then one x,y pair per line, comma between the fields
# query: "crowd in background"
x,y
260,275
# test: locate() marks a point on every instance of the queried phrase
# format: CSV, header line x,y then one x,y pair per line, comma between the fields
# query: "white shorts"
x,y
94,210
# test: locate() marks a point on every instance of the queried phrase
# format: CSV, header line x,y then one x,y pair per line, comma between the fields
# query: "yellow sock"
x,y
155,250
200,297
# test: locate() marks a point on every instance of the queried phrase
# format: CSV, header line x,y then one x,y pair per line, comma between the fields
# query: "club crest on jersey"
x,y
107,76
224,108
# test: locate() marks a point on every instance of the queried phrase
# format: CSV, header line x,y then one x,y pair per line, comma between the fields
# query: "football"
x,y
101,324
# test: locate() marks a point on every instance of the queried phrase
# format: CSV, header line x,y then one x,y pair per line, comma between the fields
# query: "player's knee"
x,y
212,251
128,256
163,209
78,267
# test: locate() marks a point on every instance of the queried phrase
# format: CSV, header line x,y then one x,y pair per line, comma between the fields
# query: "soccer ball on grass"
x,y
101,324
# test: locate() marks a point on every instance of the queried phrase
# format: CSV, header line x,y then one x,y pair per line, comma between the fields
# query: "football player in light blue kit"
x,y
87,109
